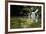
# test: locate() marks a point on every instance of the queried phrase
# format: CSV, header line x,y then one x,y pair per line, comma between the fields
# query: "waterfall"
x,y
33,15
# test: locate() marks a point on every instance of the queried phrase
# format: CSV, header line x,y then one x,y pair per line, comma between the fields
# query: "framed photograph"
x,y
25,17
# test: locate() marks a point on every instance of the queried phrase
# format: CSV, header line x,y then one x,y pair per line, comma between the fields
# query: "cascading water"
x,y
33,15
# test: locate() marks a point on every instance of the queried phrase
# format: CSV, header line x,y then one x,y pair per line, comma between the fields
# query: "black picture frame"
x,y
6,16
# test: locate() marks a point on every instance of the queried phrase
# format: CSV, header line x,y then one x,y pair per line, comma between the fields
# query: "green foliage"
x,y
23,22
27,9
